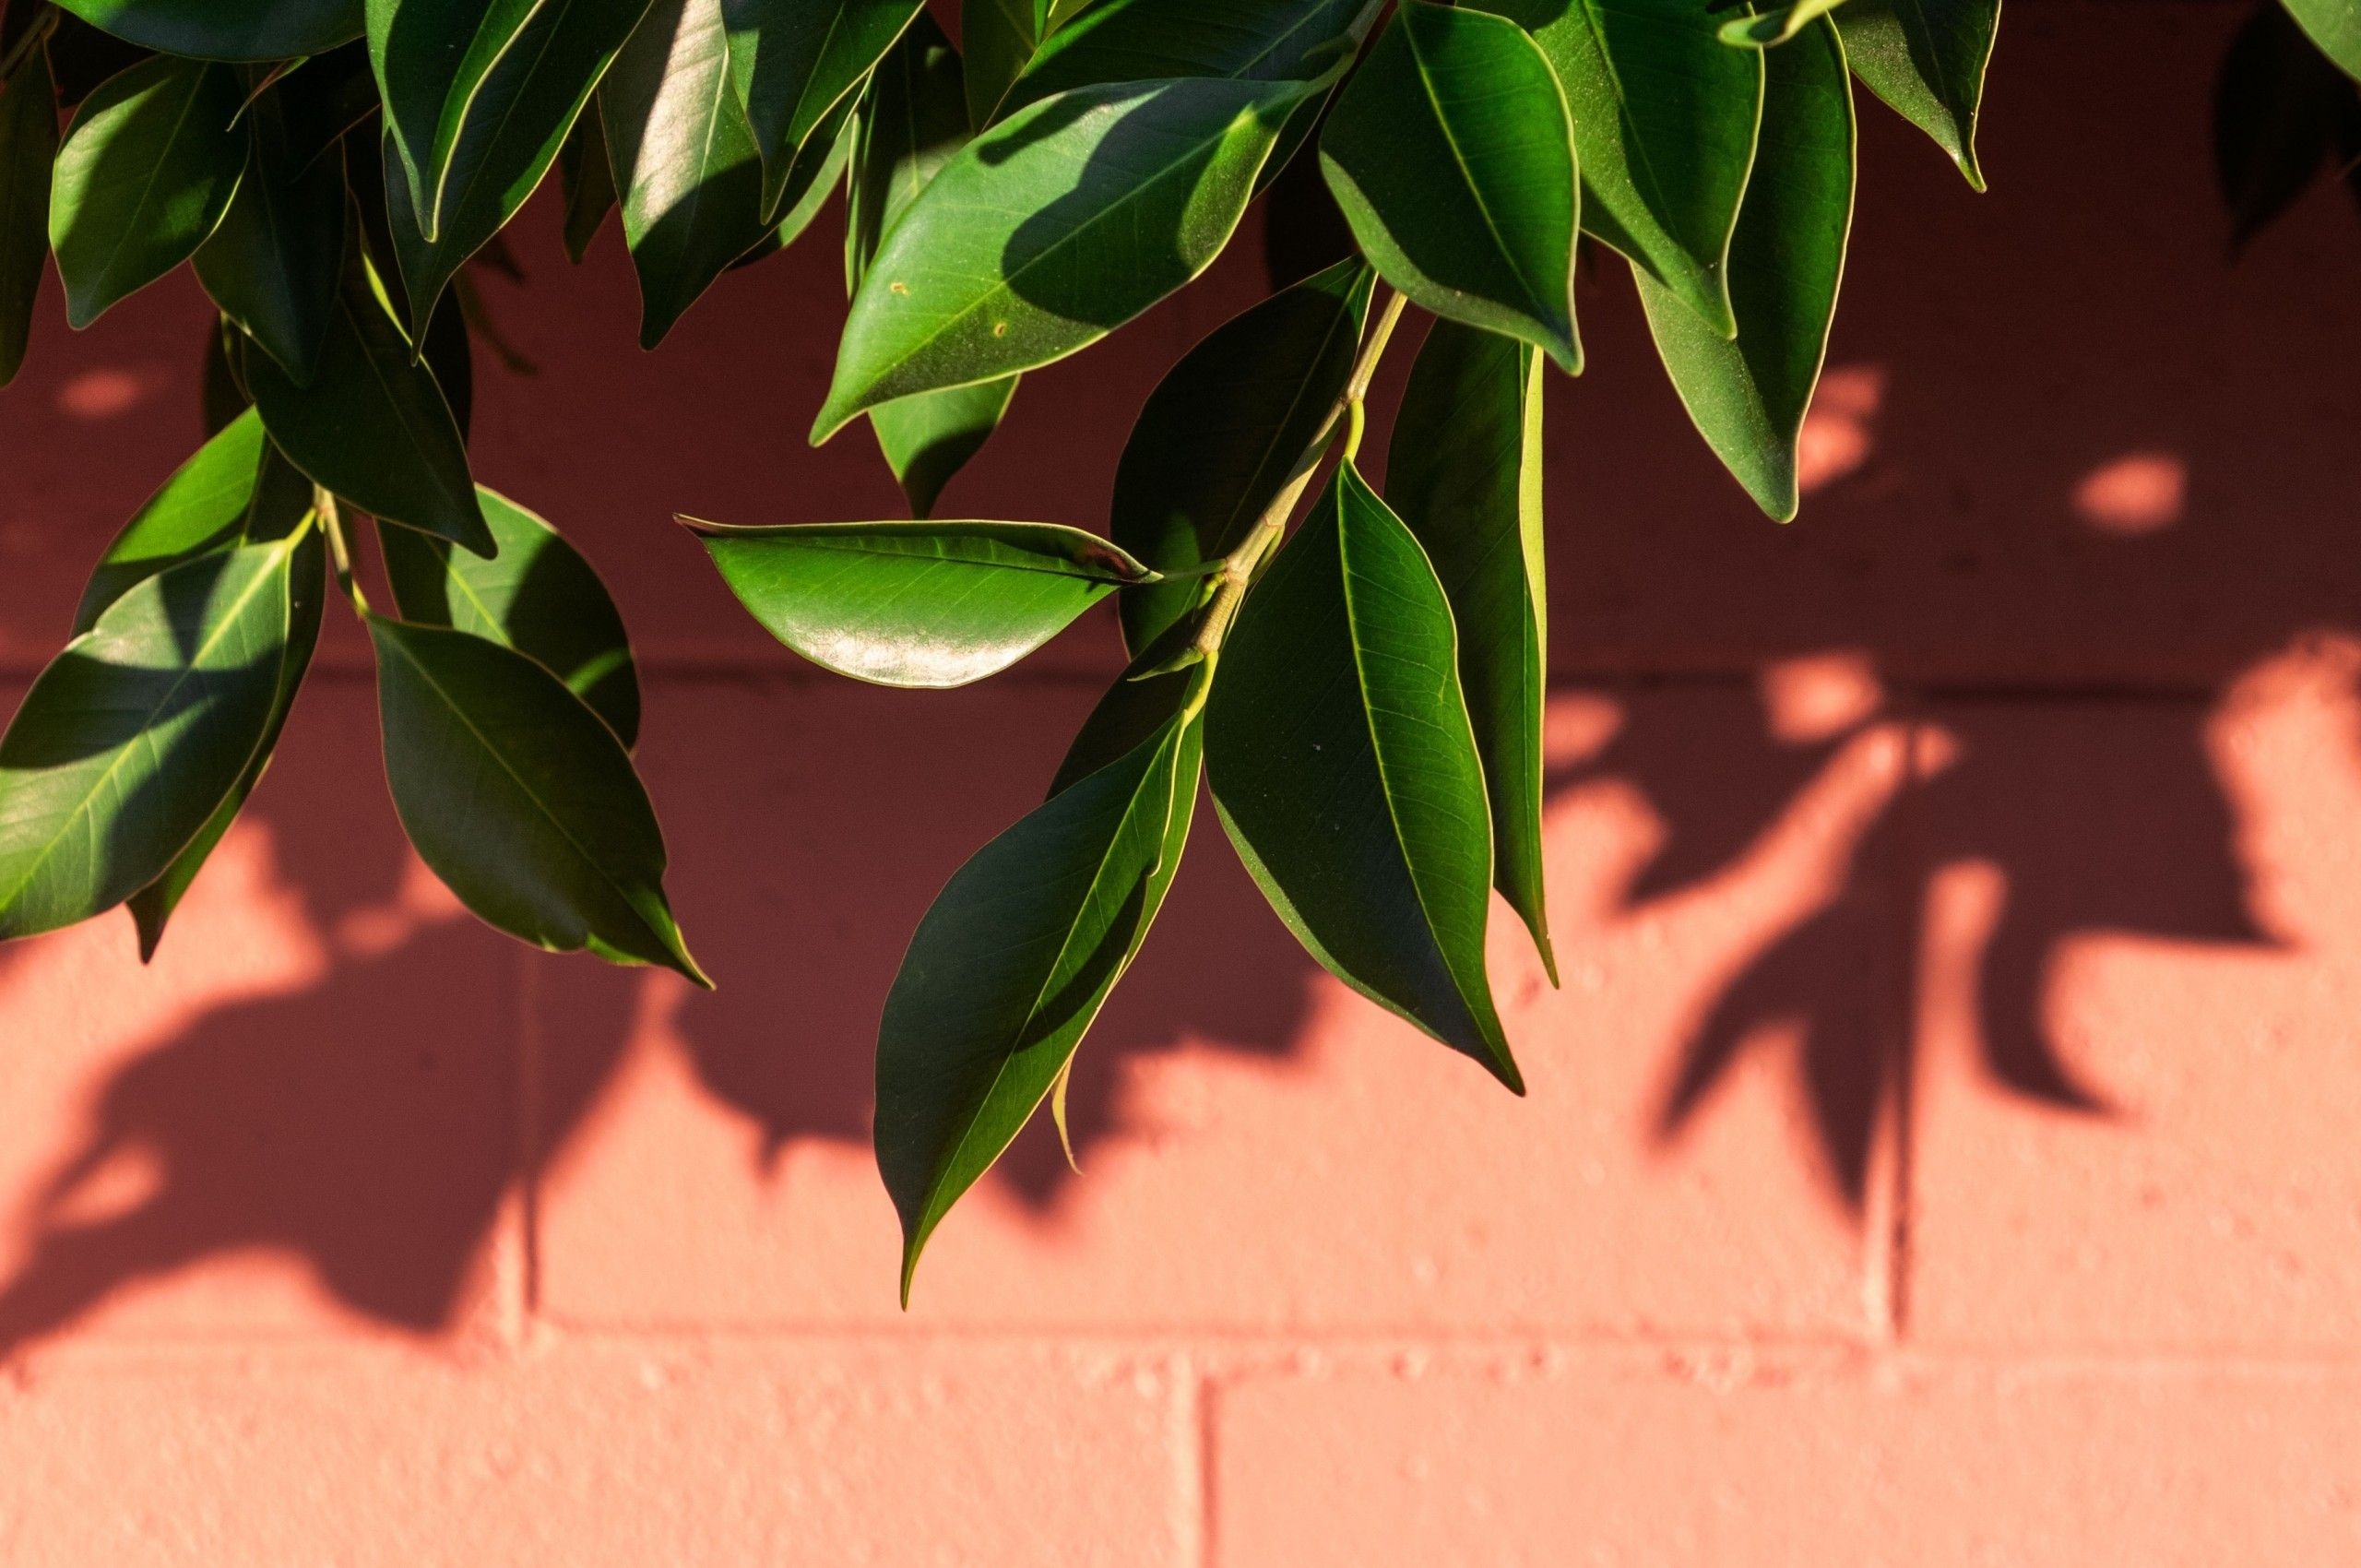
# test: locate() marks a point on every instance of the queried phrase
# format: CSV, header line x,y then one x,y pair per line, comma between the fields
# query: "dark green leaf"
x,y
1926,58
999,37
1664,114
136,733
145,174
274,264
153,905
202,507
794,198
1465,474
589,182
1128,41
1452,156
1749,397
321,99
1341,759
2281,110
226,29
1130,713
221,398
537,596
915,604
2334,25
928,438
374,426
28,148
1222,432
518,117
795,62
685,159
430,58
1011,965
1050,229
521,798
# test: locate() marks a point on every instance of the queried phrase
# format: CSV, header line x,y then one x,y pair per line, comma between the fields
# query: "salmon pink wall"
x,y
1945,1149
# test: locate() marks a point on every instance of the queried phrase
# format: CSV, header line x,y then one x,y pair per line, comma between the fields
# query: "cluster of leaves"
x,y
1363,690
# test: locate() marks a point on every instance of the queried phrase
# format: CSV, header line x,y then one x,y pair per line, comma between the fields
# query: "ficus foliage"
x,y
1358,675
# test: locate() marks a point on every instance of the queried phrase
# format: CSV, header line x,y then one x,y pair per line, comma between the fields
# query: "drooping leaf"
x,y
274,265
134,733
28,148
589,182
685,159
1125,41
521,798
1748,398
2334,25
327,97
374,426
431,59
998,38
152,906
1927,59
1219,436
2280,111
1346,770
795,62
1050,229
145,173
1010,966
928,438
1452,156
202,507
1664,115
1464,473
537,596
920,603
226,29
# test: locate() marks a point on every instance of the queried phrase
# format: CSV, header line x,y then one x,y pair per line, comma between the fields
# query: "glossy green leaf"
x,y
431,59
1125,41
1664,115
152,906
134,733
997,38
1050,229
915,604
1775,25
1452,156
374,426
521,798
517,118
145,173
914,118
1926,58
537,596
1346,770
202,507
795,62
1221,433
1127,715
1011,965
273,266
226,29
1748,398
1464,473
28,148
685,159
2334,25
588,181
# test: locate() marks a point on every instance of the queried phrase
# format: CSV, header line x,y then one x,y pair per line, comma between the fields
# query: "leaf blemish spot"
x,y
897,285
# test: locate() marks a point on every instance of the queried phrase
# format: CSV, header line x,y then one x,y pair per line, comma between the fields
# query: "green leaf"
x,y
589,183
1452,156
1127,715
1463,472
202,507
431,59
152,906
28,149
226,29
1221,433
537,596
374,426
145,174
1927,59
915,604
517,119
1050,229
134,733
1010,966
685,158
928,438
1769,28
1346,770
521,798
273,265
795,62
1749,397
1125,41
2281,110
1664,115
2334,25
999,37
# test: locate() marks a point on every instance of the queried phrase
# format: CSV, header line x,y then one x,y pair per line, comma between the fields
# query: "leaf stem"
x,y
35,35
332,523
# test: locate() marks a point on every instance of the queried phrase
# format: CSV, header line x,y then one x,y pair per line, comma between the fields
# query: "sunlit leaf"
x,y
1927,59
795,62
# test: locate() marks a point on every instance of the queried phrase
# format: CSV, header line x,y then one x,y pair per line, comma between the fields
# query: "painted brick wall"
x,y
1944,1149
